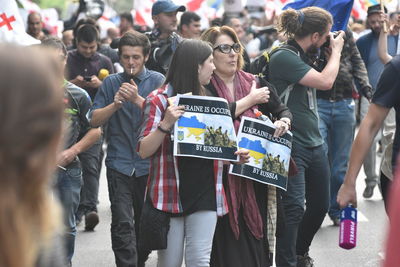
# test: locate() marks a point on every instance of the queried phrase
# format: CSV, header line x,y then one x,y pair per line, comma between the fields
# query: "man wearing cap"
x,y
368,47
163,38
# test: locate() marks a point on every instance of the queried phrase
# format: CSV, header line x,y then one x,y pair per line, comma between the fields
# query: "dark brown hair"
x,y
303,22
31,117
183,73
213,33
134,38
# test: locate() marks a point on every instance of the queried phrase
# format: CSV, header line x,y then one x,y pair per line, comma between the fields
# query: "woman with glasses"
x,y
241,237
187,188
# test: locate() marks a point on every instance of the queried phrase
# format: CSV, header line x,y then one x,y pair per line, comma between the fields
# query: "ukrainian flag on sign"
x,y
256,150
193,125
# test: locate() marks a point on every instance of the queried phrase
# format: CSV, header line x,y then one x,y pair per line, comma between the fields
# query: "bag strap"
x,y
286,93
284,96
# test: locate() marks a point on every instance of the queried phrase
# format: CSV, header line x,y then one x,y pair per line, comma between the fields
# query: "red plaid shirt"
x,y
163,182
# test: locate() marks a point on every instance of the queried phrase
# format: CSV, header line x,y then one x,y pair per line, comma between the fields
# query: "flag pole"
x,y
385,30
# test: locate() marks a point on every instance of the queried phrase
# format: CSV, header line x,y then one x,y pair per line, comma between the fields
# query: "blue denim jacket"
x,y
123,125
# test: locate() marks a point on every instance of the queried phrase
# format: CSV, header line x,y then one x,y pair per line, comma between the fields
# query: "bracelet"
x,y
162,130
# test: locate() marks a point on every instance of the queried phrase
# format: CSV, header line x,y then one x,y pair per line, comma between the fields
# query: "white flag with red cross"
x,y
12,29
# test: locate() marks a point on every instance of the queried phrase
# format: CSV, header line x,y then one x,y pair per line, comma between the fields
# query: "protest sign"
x,y
269,155
206,129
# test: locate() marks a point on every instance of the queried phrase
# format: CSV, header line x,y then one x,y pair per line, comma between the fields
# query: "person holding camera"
x,y
336,110
294,77
164,39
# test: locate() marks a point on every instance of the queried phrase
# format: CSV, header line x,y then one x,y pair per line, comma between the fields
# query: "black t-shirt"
x,y
196,184
388,95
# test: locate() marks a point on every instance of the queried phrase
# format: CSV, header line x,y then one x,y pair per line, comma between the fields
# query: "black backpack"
x,y
260,67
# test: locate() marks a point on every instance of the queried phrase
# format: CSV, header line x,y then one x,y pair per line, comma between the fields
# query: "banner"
x,y
340,10
12,28
269,155
206,129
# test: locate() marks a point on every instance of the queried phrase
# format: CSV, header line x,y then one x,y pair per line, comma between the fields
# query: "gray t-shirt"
x,y
287,68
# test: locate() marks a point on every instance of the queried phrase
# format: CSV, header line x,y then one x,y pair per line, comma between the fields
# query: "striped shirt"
x,y
163,182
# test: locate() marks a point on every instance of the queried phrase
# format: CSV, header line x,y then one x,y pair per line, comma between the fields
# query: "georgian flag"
x,y
12,29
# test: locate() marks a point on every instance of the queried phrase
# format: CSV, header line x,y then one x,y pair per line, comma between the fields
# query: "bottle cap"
x,y
257,113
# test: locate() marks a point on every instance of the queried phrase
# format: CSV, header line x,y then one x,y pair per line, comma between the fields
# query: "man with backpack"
x,y
293,74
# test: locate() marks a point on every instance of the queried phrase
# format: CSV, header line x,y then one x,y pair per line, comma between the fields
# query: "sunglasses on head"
x,y
226,49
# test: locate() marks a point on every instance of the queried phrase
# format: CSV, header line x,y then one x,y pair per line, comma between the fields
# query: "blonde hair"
x,y
31,116
300,23
211,35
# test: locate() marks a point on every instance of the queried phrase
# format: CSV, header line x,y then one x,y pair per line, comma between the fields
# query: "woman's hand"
x,y
172,114
282,126
258,95
244,155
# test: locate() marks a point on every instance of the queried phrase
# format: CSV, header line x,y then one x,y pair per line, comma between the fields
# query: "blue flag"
x,y
340,10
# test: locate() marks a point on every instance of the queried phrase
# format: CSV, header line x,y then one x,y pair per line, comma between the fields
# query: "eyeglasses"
x,y
226,49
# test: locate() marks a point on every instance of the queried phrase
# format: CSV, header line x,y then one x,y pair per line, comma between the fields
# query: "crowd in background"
x,y
318,84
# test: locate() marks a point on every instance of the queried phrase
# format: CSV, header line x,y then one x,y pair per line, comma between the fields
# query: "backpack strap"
x,y
284,96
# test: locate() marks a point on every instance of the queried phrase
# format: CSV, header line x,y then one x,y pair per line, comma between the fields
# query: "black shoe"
x,y
305,261
91,220
368,191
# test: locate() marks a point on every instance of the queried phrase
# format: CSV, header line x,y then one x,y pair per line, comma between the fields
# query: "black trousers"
x,y
126,195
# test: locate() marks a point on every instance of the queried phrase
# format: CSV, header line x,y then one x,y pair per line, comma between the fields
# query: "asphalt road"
x,y
93,249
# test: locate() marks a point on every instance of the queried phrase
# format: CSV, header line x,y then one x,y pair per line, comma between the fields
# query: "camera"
x,y
328,39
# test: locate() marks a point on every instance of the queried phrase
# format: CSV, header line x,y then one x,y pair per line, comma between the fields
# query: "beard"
x,y
312,50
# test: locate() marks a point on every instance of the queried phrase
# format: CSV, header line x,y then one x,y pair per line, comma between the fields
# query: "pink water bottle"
x,y
348,227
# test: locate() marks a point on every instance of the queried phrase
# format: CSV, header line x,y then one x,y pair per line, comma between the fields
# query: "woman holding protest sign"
x,y
241,238
188,189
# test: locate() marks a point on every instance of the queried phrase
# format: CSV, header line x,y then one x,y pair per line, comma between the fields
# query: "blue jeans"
x,y
68,188
305,203
91,165
336,125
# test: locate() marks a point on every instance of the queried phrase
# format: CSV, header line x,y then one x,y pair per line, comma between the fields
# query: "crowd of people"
x,y
88,97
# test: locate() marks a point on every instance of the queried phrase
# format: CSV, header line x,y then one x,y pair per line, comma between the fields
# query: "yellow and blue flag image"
x,y
256,149
194,126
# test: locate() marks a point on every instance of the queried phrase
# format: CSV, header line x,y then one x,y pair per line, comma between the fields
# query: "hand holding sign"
x,y
244,155
172,114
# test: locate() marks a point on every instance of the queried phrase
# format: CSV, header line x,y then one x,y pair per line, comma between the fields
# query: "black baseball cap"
x,y
375,9
165,6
